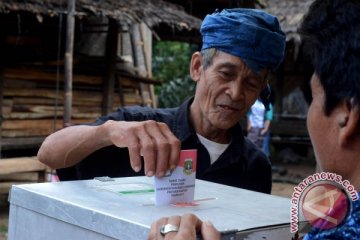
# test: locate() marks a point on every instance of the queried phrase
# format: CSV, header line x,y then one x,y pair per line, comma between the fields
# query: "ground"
x,y
283,185
4,210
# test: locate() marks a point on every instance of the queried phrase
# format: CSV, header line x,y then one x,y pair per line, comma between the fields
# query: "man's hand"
x,y
150,139
189,225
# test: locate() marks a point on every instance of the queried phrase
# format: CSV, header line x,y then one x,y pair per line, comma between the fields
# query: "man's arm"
x,y
152,140
268,118
266,127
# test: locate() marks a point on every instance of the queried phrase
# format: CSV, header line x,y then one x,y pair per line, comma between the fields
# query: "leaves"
x,y
171,65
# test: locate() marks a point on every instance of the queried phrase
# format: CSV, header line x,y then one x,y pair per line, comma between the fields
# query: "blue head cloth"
x,y
251,34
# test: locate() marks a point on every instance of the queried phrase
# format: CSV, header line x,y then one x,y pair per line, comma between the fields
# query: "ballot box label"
x,y
178,186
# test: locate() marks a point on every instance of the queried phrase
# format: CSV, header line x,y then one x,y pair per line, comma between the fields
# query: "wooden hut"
x,y
111,61
290,84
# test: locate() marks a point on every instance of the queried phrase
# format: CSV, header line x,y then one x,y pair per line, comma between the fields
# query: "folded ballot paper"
x,y
178,186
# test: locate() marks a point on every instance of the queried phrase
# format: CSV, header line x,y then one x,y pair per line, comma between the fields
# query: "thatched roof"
x,y
290,14
152,12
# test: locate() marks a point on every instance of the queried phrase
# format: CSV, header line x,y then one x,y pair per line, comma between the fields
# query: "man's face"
x,y
225,90
322,128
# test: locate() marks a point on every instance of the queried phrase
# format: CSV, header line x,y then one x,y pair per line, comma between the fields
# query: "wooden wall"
x,y
33,82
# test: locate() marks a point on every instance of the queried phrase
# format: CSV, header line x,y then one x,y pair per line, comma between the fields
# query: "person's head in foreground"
x,y
331,36
331,33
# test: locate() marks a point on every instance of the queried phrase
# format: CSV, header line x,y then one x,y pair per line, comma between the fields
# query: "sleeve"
x,y
269,113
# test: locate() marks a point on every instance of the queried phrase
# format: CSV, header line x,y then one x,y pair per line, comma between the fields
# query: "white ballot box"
x,y
124,208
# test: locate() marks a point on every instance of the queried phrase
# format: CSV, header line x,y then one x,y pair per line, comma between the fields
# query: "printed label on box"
x,y
179,185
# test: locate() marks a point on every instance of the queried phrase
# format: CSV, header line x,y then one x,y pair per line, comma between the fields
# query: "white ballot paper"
x,y
178,186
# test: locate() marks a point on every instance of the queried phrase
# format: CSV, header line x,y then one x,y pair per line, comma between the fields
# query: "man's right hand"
x,y
150,139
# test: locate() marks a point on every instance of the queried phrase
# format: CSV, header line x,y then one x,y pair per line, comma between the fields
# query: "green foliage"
x,y
171,65
173,93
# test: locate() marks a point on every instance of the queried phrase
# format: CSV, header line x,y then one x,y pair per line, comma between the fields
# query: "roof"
x,y
290,14
200,8
151,12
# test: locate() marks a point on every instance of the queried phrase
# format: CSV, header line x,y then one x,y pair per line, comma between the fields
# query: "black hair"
x,y
331,36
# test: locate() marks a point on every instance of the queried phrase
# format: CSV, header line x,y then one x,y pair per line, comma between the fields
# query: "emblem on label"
x,y
188,166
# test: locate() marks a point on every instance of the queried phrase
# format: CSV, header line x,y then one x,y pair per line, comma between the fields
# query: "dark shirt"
x,y
242,164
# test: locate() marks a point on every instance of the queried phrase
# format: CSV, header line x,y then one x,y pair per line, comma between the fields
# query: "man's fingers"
x,y
154,233
175,146
192,225
189,225
175,221
162,148
134,153
148,151
150,139
209,232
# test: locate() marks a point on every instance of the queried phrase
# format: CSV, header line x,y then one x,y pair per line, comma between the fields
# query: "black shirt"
x,y
241,165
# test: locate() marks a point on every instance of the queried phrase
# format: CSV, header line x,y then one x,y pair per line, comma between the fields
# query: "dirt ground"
x,y
285,178
4,210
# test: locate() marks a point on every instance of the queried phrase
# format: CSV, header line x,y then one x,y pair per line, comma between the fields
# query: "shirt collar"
x,y
184,129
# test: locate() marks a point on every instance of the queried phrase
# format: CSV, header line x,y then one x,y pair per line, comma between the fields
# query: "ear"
x,y
348,120
196,66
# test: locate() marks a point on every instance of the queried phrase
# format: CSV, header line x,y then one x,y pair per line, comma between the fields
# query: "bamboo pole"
x,y
1,105
146,37
69,62
111,55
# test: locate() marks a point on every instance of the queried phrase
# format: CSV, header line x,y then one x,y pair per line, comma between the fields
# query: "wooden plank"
x,y
126,54
23,124
120,90
21,143
50,101
32,74
18,40
19,84
68,67
21,164
26,133
6,186
111,56
29,115
91,96
1,101
24,129
34,101
16,177
146,36
137,44
51,109
36,123
140,65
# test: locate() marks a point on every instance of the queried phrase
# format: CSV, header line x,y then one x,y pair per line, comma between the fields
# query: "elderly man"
x,y
240,47
331,33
